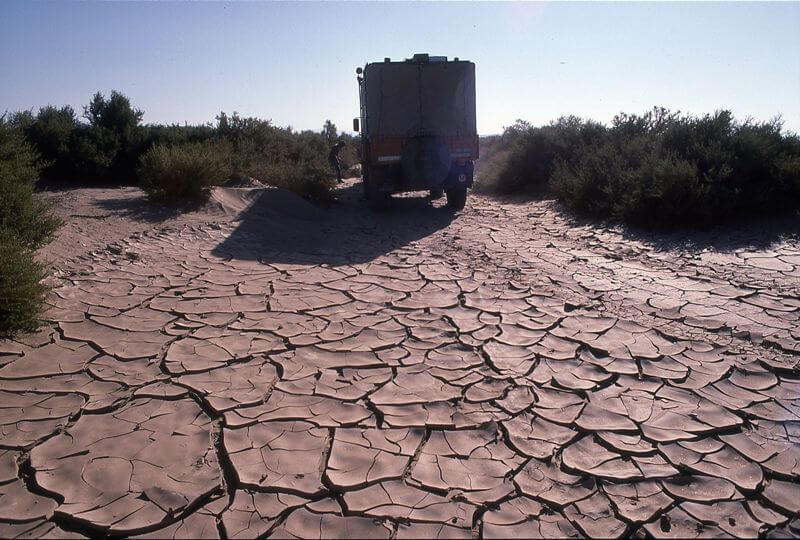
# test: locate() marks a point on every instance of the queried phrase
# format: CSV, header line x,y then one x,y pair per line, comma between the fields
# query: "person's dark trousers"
x,y
338,169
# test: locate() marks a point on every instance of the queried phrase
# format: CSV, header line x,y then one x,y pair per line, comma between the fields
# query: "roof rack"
x,y
425,58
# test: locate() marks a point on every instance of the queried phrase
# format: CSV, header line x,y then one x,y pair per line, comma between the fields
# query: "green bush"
x,y
494,153
51,134
658,169
311,179
181,173
23,219
22,292
25,224
185,172
106,148
176,134
245,147
112,145
529,156
251,147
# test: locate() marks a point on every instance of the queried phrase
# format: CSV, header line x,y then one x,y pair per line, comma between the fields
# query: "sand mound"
x,y
266,202
245,181
231,201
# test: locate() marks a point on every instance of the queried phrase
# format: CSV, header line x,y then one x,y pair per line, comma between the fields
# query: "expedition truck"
x,y
417,127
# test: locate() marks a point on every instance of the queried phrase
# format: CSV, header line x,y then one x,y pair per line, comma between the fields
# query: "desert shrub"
x,y
176,134
112,145
25,224
658,169
114,140
252,147
104,148
182,173
493,154
185,172
23,219
311,179
51,134
530,155
660,189
22,292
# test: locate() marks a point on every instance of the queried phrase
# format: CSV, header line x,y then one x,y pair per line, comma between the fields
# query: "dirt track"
x,y
495,372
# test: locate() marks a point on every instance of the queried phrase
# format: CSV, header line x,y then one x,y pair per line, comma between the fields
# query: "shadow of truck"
x,y
280,227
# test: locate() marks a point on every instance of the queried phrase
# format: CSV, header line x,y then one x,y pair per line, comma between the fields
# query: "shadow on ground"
x,y
140,208
280,227
753,233
746,233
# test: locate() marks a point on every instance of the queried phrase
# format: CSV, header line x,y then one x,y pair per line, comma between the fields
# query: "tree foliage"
x,y
25,224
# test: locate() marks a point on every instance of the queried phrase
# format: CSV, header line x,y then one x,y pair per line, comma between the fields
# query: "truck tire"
x,y
380,202
457,198
377,201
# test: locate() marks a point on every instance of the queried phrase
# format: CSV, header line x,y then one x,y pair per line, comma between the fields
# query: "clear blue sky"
x,y
295,62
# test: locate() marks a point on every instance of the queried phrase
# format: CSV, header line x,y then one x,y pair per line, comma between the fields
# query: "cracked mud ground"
x,y
499,372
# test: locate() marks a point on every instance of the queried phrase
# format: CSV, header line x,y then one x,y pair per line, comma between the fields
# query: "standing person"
x,y
333,158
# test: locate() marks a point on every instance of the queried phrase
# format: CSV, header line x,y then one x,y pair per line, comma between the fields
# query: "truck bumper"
x,y
389,178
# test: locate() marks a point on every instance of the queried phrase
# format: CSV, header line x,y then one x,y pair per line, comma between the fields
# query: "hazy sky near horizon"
x,y
295,62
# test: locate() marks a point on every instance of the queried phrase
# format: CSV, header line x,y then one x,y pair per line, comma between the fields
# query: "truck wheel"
x,y
457,198
375,199
380,202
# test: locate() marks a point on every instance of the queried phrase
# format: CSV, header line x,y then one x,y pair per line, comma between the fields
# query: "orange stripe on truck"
x,y
387,150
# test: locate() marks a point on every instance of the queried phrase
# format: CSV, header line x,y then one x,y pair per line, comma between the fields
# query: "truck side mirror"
x,y
355,125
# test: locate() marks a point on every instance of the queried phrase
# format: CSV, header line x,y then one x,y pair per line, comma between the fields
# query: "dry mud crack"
x,y
335,373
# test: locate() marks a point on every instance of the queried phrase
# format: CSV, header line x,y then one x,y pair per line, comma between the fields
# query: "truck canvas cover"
x,y
409,98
